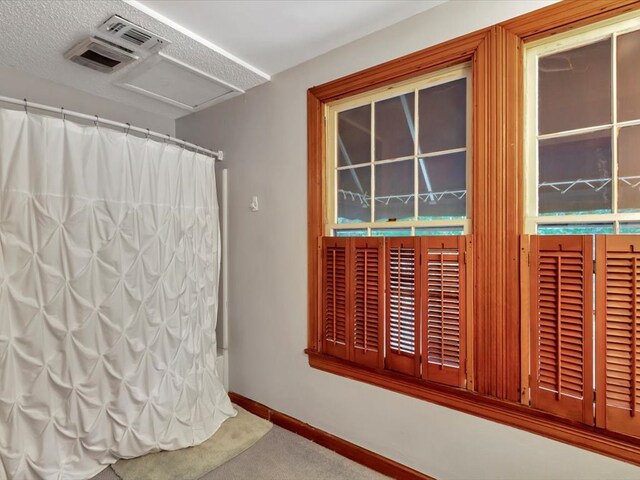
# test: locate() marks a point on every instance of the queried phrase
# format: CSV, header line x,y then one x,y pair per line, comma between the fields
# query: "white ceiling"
x,y
276,35
241,43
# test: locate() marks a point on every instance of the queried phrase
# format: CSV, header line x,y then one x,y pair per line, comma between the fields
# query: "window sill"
x,y
515,415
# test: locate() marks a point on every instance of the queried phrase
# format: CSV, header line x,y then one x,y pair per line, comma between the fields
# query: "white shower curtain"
x,y
109,259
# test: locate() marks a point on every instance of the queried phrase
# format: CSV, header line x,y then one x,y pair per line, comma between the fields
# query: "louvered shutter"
x,y
443,309
562,326
367,301
402,305
618,340
335,296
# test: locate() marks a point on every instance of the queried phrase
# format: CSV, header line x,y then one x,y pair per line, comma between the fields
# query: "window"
x,y
399,159
523,257
583,130
583,139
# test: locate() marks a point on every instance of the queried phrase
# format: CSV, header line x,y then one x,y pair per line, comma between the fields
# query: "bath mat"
x,y
234,436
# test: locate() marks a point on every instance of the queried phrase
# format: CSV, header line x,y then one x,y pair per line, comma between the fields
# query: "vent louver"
x,y
122,29
99,55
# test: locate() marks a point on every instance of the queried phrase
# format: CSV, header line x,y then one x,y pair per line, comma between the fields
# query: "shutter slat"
x,y
618,333
443,309
402,257
561,325
367,264
335,297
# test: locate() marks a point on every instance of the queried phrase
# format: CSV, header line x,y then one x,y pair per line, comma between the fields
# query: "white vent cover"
x,y
171,81
100,55
135,36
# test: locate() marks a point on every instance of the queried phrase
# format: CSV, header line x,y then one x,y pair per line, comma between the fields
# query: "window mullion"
x,y
614,129
372,166
416,181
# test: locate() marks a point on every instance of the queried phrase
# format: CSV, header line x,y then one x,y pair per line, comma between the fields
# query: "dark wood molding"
x,y
595,439
497,213
315,212
422,62
566,15
347,449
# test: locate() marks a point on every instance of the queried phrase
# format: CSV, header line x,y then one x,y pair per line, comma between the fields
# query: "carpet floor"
x,y
282,455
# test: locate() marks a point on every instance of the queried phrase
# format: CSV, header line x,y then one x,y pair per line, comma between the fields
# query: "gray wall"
x,y
263,134
16,84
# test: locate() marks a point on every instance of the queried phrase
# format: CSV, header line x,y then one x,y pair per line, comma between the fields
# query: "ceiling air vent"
x,y
100,55
122,29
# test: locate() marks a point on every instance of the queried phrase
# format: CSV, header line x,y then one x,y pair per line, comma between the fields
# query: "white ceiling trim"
x,y
194,36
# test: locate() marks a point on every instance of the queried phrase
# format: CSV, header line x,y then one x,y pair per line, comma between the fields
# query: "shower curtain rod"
x,y
218,156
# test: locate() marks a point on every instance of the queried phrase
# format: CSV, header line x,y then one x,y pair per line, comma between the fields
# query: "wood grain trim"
x,y
315,214
497,212
347,449
595,439
434,58
566,15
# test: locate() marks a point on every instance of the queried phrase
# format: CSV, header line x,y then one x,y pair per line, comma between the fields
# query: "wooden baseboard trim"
x,y
347,449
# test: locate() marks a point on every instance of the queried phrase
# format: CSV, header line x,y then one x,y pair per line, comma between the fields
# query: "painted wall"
x,y
16,84
263,134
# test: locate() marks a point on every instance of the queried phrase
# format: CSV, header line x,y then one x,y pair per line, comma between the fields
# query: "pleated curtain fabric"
x,y
109,261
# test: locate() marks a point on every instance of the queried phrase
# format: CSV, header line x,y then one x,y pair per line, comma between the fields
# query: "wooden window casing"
x,y
495,55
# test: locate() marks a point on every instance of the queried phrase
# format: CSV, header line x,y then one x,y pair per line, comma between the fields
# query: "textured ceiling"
x,y
35,34
233,41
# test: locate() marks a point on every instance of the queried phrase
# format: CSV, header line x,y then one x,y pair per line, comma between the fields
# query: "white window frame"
x,y
369,98
567,41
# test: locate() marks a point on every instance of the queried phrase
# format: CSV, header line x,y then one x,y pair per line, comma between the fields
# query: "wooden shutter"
x,y
618,340
367,301
403,305
562,325
335,296
443,309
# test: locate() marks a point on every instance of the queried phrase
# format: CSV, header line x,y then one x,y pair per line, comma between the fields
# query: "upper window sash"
x,y
608,129
415,160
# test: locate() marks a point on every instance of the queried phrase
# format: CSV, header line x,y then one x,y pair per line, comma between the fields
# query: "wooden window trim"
x,y
495,54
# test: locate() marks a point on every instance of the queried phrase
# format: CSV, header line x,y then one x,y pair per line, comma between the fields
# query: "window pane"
x,y
442,182
630,227
354,195
391,232
350,232
576,229
394,191
354,136
439,231
394,127
575,174
443,116
629,169
628,53
575,88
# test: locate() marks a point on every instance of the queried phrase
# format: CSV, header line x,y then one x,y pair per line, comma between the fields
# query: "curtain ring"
x,y
25,106
128,128
168,139
96,121
148,132
62,114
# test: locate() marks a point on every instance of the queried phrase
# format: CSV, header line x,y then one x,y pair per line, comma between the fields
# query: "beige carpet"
x,y
234,437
